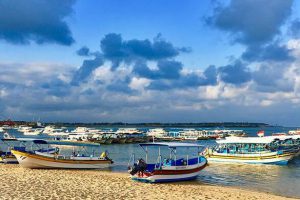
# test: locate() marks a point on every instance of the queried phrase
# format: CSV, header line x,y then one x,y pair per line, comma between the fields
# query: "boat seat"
x,y
193,161
179,162
150,167
20,148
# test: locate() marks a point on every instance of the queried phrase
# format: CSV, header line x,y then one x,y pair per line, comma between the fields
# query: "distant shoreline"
x,y
158,125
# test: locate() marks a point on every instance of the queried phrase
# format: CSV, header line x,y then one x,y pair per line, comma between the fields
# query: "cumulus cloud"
x,y
252,22
270,52
187,80
273,78
166,69
40,21
83,51
236,73
87,67
116,49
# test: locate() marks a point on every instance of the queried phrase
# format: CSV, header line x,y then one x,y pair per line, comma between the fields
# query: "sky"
x,y
150,61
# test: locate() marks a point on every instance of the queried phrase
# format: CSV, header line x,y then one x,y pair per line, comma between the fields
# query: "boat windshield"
x,y
244,148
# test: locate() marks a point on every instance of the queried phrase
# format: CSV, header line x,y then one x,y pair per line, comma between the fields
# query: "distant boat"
x,y
169,169
28,159
261,133
294,132
279,134
254,150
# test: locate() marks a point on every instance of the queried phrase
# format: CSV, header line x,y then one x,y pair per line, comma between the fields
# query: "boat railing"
x,y
131,160
159,163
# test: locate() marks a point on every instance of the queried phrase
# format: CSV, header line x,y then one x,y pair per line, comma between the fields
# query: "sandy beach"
x,y
19,183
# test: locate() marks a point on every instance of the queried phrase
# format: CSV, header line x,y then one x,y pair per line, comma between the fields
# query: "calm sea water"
x,y
282,180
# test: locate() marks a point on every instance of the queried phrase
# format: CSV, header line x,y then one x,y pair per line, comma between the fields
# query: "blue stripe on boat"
x,y
282,162
144,180
177,179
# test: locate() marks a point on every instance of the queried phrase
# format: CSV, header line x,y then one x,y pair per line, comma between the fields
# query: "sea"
x,y
280,180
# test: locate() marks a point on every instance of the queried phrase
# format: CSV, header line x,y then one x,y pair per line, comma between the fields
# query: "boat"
x,y
279,134
169,169
104,137
122,140
73,137
253,150
33,131
8,158
190,134
80,130
159,134
109,140
128,131
53,131
86,130
294,132
41,160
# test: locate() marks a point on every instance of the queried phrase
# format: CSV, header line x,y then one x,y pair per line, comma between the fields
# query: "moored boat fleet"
x,y
231,146
126,135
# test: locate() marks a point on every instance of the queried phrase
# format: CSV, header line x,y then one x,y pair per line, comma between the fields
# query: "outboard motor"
x,y
134,169
141,166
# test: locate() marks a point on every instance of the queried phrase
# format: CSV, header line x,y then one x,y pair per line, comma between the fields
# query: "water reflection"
x,y
282,180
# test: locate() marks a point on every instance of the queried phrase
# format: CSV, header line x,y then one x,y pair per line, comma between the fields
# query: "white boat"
x,y
82,129
128,131
32,131
53,131
77,137
6,127
169,169
1,129
28,130
159,134
57,161
156,132
191,134
23,128
294,132
253,150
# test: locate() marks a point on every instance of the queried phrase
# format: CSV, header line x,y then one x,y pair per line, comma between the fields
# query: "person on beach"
x,y
142,166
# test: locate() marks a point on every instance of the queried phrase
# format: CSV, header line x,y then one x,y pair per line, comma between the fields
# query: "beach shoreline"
x,y
20,183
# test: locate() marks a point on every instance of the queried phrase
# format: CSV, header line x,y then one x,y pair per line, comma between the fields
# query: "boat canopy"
x,y
170,144
253,140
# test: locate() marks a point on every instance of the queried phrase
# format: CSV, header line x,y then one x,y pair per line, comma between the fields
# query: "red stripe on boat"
x,y
175,172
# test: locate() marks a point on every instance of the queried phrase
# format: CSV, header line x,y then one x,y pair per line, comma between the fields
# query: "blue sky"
x,y
150,61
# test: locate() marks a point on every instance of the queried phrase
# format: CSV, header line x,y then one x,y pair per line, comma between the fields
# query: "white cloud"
x,y
139,83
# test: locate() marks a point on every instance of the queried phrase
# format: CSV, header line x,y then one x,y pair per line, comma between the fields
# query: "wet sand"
x,y
19,183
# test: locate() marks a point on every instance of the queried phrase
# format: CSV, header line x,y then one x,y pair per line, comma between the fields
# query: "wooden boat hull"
x,y
274,158
33,161
8,159
129,140
122,140
179,173
109,140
